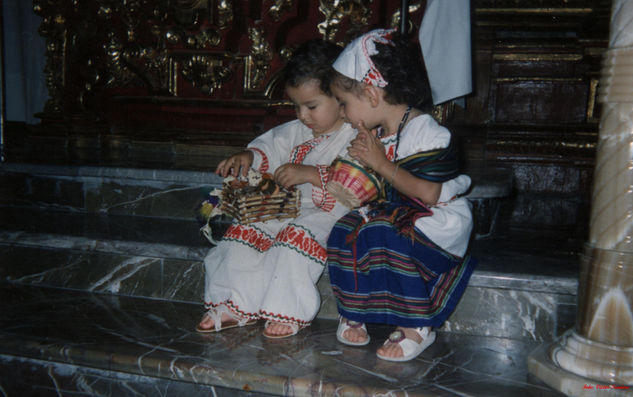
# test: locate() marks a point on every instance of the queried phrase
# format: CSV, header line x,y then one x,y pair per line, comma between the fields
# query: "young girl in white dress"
x,y
268,270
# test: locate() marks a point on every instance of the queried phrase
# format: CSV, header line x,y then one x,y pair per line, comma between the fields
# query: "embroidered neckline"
x,y
299,152
387,139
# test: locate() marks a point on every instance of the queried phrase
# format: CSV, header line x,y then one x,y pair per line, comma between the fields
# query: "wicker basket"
x,y
258,199
352,184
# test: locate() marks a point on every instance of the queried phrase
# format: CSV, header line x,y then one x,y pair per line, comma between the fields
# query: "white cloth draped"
x,y
446,48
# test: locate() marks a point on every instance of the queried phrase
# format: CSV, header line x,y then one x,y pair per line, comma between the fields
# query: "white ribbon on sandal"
x,y
410,348
216,315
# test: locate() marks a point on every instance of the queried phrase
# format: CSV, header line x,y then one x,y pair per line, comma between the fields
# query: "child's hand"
x,y
367,148
239,162
289,175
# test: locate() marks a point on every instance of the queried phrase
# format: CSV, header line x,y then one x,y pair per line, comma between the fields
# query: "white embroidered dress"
x,y
269,269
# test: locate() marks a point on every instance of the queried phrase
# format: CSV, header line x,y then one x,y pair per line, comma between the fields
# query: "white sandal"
x,y
410,348
345,324
215,313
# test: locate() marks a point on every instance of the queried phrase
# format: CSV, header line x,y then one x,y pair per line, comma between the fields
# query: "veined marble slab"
x,y
495,304
140,340
145,192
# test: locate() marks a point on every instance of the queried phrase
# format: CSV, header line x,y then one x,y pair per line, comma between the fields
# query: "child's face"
x,y
355,107
317,110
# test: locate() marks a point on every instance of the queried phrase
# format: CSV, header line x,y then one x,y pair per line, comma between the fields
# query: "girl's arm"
x,y
409,184
289,175
368,149
239,163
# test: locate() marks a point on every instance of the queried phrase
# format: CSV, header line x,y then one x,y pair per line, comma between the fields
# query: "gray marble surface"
x,y
117,172
60,333
524,286
497,303
101,284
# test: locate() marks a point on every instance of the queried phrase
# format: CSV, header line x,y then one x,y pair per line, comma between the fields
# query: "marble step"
x,y
132,232
61,342
157,193
166,193
516,292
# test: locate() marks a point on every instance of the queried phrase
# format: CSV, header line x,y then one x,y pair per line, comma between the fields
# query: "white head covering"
x,y
355,62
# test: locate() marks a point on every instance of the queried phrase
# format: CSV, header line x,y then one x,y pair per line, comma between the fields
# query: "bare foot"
x,y
207,322
278,329
355,335
393,349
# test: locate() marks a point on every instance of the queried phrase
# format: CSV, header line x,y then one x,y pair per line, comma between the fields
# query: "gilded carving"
x,y
188,12
209,37
286,52
257,63
130,58
336,11
172,37
443,112
159,66
116,60
592,115
278,8
53,29
206,38
225,13
207,72
395,17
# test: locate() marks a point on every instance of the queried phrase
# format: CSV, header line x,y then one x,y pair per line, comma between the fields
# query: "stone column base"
x,y
579,367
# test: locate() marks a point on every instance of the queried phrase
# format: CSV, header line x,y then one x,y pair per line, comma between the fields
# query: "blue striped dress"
x,y
385,270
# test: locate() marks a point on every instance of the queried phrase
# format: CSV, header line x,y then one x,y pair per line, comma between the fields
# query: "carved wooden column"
x,y
600,348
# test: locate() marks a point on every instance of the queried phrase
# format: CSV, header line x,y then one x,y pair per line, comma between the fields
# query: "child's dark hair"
x,y
312,60
402,67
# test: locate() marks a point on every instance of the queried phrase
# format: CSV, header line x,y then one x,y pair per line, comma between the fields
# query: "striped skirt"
x,y
382,276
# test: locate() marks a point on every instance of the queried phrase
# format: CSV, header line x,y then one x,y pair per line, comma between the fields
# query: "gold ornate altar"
x,y
161,80
155,69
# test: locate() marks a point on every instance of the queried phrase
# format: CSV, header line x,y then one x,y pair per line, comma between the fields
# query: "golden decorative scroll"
x,y
207,72
335,11
53,29
257,63
225,13
395,17
278,8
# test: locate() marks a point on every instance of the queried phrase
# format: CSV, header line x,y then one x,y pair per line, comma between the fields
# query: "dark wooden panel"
x,y
541,101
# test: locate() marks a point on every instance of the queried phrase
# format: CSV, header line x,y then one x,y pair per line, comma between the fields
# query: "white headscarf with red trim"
x,y
355,62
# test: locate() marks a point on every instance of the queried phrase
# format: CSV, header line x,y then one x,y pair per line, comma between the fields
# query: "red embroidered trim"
x,y
265,164
250,236
373,76
298,154
279,318
321,197
302,242
233,308
390,152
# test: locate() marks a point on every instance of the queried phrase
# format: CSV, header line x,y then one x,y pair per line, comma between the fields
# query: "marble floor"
x,y
71,342
94,344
